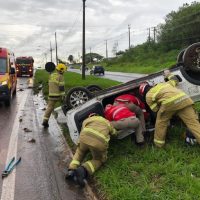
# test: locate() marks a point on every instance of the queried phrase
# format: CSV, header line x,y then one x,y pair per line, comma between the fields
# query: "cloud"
x,y
27,24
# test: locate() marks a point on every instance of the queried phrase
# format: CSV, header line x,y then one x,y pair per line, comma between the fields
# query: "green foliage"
x,y
91,57
131,173
181,28
146,58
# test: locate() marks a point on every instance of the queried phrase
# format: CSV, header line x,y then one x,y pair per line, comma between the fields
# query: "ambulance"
x,y
8,76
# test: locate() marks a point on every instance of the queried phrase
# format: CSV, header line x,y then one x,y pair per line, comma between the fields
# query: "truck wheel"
x,y
77,96
8,101
93,88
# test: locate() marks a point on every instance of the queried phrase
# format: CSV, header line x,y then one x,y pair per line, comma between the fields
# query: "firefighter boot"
x,y
69,175
45,124
80,175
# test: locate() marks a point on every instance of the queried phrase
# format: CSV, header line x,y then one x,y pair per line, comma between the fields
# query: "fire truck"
x,y
8,76
24,66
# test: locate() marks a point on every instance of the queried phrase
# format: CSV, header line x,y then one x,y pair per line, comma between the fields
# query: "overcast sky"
x,y
28,26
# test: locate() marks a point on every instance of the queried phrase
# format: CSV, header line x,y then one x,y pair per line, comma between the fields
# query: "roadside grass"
x,y
131,172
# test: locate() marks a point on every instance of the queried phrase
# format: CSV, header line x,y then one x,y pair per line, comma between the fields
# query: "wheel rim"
x,y
78,97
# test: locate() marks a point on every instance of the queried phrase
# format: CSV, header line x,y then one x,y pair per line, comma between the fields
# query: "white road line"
x,y
8,187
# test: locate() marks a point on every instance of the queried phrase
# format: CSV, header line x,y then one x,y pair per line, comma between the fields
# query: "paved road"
x,y
39,176
119,76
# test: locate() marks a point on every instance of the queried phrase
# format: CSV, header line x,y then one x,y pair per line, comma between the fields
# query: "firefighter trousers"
x,y
50,107
188,116
98,158
130,123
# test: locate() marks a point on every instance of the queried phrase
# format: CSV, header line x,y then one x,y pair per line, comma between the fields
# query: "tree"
x,y
181,28
71,58
90,57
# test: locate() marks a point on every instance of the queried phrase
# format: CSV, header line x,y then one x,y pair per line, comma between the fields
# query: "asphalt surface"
x,y
44,153
119,76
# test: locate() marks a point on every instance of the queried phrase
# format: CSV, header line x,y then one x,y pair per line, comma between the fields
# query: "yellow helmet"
x,y
61,67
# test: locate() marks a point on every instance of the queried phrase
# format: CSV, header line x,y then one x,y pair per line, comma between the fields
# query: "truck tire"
x,y
8,101
77,96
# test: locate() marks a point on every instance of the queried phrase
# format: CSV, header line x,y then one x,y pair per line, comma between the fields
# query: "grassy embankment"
x,y
149,173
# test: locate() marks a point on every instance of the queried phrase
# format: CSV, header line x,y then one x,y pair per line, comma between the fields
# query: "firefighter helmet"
x,y
61,68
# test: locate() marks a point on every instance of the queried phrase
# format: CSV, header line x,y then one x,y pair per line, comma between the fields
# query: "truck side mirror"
x,y
12,70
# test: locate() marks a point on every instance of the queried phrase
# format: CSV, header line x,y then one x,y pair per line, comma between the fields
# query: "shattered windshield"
x,y
2,65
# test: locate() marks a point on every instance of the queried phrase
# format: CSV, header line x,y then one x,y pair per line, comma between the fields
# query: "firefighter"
x,y
167,101
94,138
124,116
56,91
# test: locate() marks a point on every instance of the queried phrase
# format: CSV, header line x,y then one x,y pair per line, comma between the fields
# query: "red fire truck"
x,y
24,66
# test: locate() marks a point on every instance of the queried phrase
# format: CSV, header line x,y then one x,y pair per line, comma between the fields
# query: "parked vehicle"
x,y
8,76
97,70
187,68
24,66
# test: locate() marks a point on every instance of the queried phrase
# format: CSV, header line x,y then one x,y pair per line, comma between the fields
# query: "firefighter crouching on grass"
x,y
56,91
167,100
123,116
94,138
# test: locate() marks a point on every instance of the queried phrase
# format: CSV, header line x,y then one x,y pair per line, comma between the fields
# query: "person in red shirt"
x,y
129,98
124,116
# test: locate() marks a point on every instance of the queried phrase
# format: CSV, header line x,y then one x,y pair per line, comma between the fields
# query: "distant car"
x,y
97,70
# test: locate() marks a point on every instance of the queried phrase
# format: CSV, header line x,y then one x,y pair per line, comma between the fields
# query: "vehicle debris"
x,y
32,140
27,130
10,167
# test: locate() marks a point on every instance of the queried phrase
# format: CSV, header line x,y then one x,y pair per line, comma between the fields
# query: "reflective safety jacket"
x,y
128,98
56,86
117,112
168,96
96,132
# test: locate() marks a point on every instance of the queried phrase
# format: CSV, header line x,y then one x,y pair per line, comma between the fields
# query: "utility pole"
x,y
90,56
154,34
56,49
83,50
149,37
106,50
51,51
129,36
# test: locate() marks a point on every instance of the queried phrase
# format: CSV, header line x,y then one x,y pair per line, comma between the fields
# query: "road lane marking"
x,y
8,186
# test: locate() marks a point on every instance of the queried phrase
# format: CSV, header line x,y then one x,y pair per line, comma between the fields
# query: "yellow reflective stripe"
x,y
174,98
91,166
159,141
103,120
54,94
170,76
53,81
45,118
154,105
62,83
96,133
75,162
157,90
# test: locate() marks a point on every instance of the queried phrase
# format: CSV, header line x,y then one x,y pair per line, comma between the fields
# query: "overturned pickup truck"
x,y
187,68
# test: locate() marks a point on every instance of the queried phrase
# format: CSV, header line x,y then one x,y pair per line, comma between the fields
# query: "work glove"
x,y
190,139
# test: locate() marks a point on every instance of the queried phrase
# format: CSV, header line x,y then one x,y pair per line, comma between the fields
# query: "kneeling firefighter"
x,y
56,91
94,138
167,101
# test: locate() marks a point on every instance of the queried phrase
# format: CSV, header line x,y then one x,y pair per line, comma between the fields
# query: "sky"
x,y
28,26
